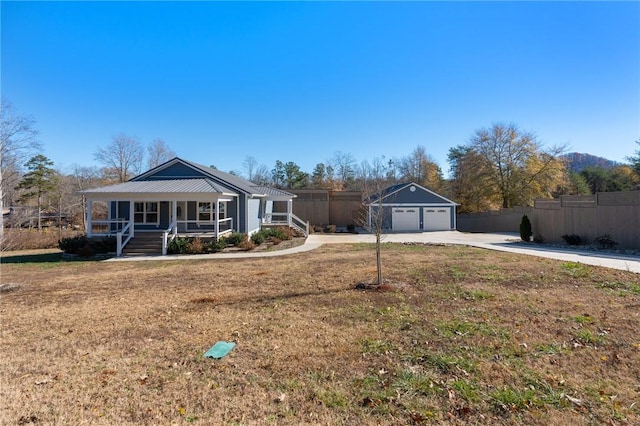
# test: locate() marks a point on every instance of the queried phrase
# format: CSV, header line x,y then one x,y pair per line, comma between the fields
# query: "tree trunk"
x,y
39,214
378,258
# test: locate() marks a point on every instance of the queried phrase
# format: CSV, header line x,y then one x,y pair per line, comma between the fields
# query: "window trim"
x,y
210,212
146,212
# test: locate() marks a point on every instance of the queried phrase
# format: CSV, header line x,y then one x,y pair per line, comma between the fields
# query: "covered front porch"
x,y
123,219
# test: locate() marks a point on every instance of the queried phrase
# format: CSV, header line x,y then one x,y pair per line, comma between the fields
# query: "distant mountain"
x,y
578,162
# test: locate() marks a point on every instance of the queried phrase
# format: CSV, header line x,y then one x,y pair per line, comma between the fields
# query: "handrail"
x,y
173,228
289,219
302,225
128,230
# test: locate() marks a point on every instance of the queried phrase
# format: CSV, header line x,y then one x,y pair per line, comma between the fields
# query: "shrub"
x,y
86,250
538,239
235,238
195,246
525,229
177,246
247,244
258,238
83,246
330,229
105,245
275,235
215,246
275,240
318,228
72,245
283,233
572,239
605,241
351,228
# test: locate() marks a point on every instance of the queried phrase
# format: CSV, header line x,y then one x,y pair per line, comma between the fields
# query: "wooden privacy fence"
x,y
326,207
616,214
505,220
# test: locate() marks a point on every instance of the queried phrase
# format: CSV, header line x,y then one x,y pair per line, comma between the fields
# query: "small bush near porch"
x,y
234,241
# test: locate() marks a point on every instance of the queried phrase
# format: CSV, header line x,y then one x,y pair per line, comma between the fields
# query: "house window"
x,y
205,212
145,213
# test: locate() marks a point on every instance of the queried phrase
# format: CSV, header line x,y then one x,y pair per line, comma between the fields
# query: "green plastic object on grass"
x,y
219,350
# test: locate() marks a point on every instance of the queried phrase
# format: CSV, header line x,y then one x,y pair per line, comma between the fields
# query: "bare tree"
x,y
158,152
82,178
18,141
373,215
122,157
255,172
343,165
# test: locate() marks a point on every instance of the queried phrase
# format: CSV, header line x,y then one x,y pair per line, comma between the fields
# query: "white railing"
x,y
173,229
127,232
196,227
106,227
300,224
286,219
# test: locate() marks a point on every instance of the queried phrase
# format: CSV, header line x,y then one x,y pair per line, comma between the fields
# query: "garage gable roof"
x,y
409,193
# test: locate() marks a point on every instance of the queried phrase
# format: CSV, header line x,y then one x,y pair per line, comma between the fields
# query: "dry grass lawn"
x,y
458,336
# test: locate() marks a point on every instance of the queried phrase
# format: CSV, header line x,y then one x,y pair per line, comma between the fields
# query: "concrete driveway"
x,y
508,242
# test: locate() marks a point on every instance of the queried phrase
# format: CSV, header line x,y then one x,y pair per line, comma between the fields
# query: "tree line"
x,y
499,166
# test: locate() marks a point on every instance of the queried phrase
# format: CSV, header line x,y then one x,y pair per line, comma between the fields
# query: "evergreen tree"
x,y
38,182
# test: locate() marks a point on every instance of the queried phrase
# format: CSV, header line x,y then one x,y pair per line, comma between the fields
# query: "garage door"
x,y
437,218
405,219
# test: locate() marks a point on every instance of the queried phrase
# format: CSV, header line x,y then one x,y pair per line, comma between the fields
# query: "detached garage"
x,y
409,207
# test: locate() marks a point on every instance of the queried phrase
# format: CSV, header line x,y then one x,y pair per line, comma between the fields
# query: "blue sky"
x,y
297,81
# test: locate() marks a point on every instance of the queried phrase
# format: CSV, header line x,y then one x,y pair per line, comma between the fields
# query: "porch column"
x,y
369,217
131,218
89,223
174,215
289,211
217,226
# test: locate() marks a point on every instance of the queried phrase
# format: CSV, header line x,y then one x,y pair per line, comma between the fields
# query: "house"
x,y
182,198
409,207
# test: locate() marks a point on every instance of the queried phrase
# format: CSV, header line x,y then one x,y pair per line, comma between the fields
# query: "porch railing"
x,y
166,239
106,227
287,219
127,233
225,226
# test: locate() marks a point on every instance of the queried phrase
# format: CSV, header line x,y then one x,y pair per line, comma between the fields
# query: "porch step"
x,y
144,244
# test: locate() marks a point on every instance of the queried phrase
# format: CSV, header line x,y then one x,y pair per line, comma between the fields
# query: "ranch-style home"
x,y
182,198
409,207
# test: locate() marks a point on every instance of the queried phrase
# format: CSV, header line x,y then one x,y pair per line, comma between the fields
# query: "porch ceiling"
x,y
170,189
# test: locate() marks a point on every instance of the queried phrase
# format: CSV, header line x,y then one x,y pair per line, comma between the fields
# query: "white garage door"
x,y
405,219
437,218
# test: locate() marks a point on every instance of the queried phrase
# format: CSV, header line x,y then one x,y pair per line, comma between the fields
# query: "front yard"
x,y
458,336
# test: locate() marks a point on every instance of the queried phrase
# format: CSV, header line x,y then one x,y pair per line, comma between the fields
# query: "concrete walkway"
x,y
507,242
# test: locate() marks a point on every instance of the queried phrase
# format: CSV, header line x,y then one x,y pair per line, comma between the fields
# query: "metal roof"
x,y
272,192
167,186
234,182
